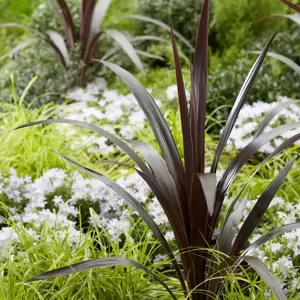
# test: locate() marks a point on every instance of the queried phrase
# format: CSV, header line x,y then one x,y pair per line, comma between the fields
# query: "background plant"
x,y
295,18
90,22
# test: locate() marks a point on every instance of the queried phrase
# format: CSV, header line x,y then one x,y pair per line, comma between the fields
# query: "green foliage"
x,y
13,11
40,61
238,22
29,151
43,17
33,254
76,60
171,13
275,78
119,8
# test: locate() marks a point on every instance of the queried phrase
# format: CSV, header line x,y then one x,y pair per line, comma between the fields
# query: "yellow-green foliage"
x,y
236,22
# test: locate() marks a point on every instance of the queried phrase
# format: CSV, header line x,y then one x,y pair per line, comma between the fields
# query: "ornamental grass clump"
x,y
191,197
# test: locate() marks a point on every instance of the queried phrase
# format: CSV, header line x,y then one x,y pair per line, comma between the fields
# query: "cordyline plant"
x,y
87,36
191,198
295,18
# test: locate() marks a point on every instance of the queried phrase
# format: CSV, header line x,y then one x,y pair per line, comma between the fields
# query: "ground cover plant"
x,y
187,191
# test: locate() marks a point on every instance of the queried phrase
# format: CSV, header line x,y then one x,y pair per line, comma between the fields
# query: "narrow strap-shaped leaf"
x,y
100,263
19,47
165,190
283,59
242,158
259,209
87,9
291,5
230,227
184,114
238,104
134,40
27,88
149,55
199,220
62,10
126,45
160,171
135,205
268,118
89,50
58,40
209,186
122,145
113,162
157,121
193,121
139,38
152,182
99,13
200,66
287,143
295,17
270,235
127,197
266,274
15,25
57,52
162,25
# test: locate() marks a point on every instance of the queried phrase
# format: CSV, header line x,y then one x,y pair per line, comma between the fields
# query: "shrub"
x,y
192,198
53,79
182,15
273,81
237,23
294,18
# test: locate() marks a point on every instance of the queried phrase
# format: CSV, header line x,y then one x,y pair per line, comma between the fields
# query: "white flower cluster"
x,y
280,254
95,104
172,93
39,201
250,117
44,200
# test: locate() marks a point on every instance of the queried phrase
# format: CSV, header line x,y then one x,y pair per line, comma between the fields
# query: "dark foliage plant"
x,y
92,14
87,36
192,198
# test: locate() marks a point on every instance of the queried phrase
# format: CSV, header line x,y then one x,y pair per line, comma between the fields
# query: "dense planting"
x,y
187,185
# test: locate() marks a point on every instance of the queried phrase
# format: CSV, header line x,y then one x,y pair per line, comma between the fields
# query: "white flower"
x,y
157,212
159,257
276,247
7,235
170,236
127,133
80,94
276,201
171,92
